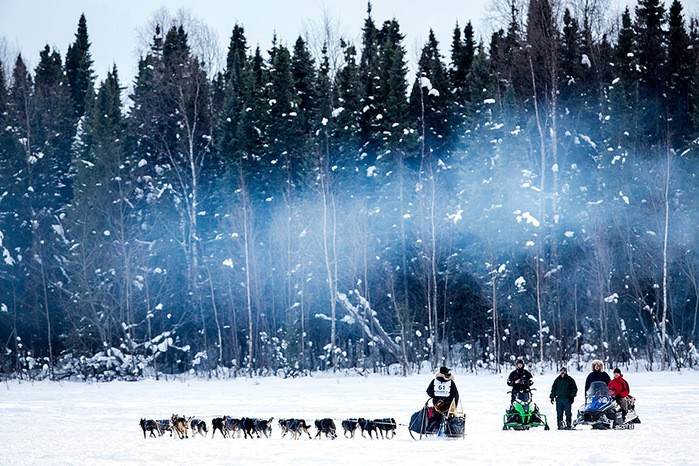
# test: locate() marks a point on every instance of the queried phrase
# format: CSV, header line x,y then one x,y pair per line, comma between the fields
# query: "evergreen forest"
x,y
533,194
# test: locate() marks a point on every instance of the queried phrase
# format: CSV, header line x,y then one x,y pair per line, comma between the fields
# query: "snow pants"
x,y
623,404
563,405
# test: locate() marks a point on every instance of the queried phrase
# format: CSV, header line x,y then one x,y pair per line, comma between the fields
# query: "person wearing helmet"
x,y
520,380
597,374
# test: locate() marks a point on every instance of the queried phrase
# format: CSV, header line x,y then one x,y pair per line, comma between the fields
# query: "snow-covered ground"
x,y
79,423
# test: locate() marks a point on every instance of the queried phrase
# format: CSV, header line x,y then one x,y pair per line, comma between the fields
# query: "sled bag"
x,y
455,427
418,421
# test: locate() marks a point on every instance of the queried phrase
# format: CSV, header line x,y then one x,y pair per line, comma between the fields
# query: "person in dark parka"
x,y
443,391
563,391
596,375
520,380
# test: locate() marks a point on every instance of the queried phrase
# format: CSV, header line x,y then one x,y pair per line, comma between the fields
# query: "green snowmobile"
x,y
524,413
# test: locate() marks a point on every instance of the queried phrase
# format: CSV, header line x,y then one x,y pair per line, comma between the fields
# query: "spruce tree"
x,y
680,73
652,57
462,53
393,119
79,68
370,89
347,104
430,98
303,71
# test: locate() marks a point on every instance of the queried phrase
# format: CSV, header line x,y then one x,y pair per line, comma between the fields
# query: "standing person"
x,y
620,390
596,375
443,391
563,391
520,380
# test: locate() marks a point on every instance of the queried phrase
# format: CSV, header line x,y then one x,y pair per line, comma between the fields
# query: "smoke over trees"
x,y
533,196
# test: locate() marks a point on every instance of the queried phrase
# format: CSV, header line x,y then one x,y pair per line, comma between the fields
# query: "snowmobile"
x,y
601,411
524,413
428,422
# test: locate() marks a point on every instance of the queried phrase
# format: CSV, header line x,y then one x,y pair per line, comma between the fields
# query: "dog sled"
x,y
430,423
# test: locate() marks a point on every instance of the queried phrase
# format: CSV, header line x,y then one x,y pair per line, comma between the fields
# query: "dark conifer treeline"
x,y
532,197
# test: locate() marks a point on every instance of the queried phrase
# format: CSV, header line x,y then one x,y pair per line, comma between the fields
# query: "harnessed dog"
x,y
164,425
350,425
368,426
149,426
218,423
264,426
179,425
198,427
386,426
295,426
326,426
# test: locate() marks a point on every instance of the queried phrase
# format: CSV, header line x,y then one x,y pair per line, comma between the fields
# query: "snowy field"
x,y
78,423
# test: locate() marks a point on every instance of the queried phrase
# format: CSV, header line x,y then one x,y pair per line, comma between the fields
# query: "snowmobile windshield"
x,y
597,389
524,397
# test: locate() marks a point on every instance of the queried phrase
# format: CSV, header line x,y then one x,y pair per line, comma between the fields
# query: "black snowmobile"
x,y
601,411
428,422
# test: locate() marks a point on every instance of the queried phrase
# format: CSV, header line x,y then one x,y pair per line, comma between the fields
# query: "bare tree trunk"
x,y
542,141
496,320
663,322
48,316
148,320
396,307
246,239
330,262
218,325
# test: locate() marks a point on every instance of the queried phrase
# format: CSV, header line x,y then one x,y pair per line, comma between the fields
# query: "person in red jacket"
x,y
619,389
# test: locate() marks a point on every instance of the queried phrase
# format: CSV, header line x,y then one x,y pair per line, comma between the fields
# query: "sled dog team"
x,y
229,427
442,391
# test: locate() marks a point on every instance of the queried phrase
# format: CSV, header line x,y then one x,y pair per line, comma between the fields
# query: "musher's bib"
x,y
442,389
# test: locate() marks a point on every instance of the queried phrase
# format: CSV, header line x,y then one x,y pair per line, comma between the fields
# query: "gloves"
x,y
551,400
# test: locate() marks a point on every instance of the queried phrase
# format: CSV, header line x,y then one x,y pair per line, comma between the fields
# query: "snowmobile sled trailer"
x,y
429,423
